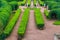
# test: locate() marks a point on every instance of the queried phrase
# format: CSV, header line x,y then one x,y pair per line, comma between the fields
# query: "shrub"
x,y
50,4
55,11
14,5
55,6
23,24
5,11
35,2
22,3
41,2
12,0
38,18
46,12
57,22
29,2
11,24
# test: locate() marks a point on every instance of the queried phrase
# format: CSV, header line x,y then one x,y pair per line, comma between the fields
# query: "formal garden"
x,y
29,19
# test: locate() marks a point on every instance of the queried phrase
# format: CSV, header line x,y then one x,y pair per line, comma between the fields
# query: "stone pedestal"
x,y
57,36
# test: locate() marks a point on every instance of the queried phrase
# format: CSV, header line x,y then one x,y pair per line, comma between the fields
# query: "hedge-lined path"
x,y
32,33
14,35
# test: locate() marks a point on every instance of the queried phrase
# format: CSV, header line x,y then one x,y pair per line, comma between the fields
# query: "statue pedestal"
x,y
57,36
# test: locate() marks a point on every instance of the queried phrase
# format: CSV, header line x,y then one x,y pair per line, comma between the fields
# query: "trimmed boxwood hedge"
x,y
38,18
29,2
24,22
22,2
35,1
41,2
11,23
46,12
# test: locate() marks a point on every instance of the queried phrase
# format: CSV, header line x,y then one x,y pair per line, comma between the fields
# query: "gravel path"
x,y
14,35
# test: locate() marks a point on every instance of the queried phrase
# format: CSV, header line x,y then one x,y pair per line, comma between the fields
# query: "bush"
x,y
55,6
22,3
49,0
35,2
11,24
57,22
29,2
5,11
55,11
23,24
12,0
46,12
38,18
14,5
41,2
52,4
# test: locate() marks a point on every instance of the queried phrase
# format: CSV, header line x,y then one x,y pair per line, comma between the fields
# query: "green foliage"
x,y
50,4
23,24
11,24
55,11
39,18
55,6
41,2
5,10
35,2
29,2
12,0
57,22
22,2
14,5
46,12
49,0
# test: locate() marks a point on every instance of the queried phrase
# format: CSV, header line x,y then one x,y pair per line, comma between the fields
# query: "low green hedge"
x,y
29,2
22,3
57,22
41,2
46,12
38,18
11,24
24,22
35,1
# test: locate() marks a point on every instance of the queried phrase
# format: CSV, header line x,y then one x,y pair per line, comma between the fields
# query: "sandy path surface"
x,y
14,35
